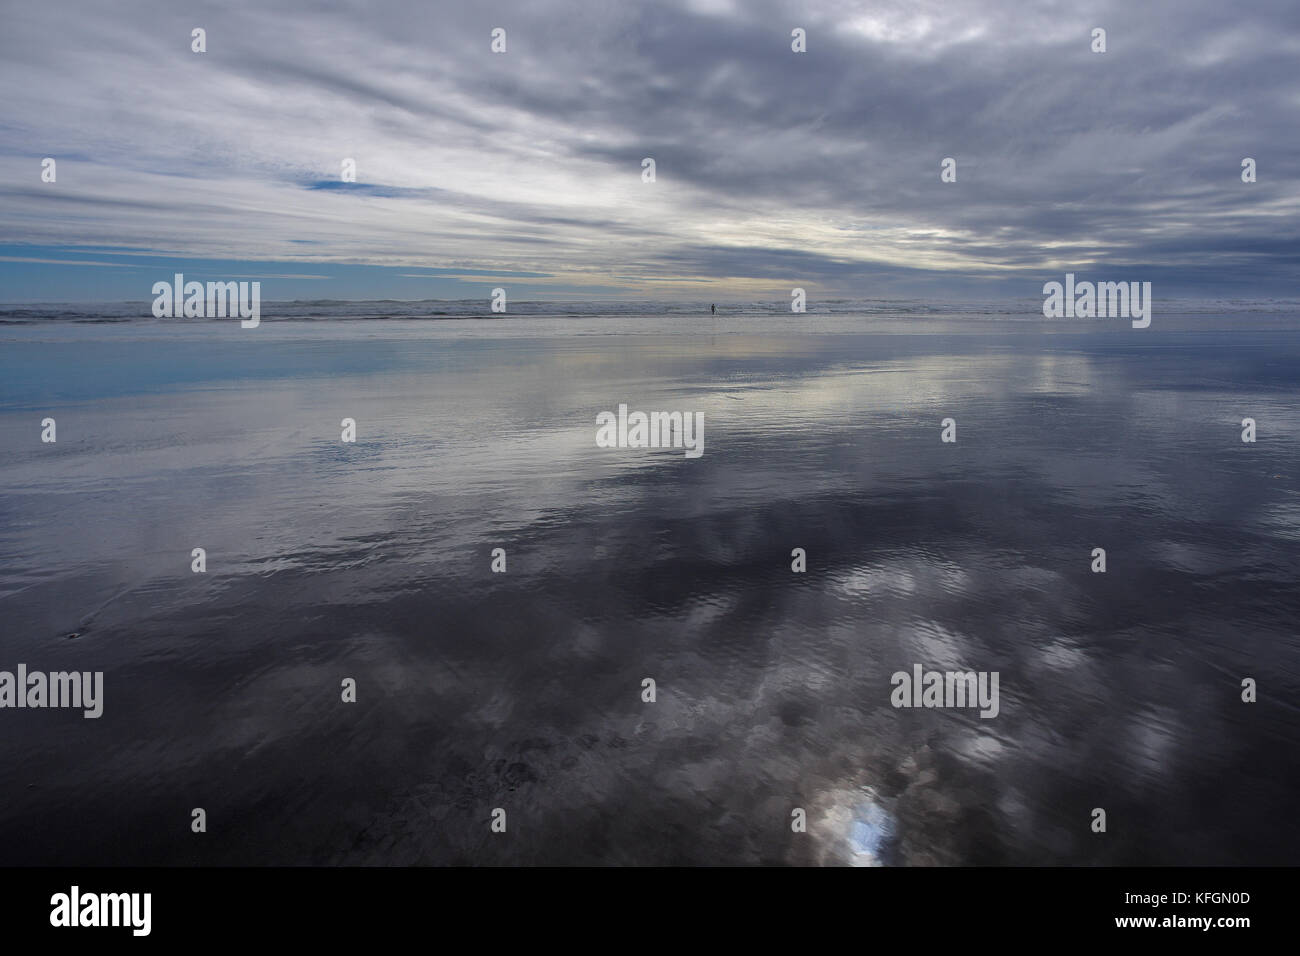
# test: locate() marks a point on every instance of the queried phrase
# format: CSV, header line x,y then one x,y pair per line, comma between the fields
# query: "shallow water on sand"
x,y
522,690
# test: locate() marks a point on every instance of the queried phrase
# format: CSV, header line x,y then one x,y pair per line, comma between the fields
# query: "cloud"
x,y
772,167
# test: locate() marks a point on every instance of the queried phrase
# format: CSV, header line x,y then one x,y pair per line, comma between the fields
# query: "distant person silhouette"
x,y
713,309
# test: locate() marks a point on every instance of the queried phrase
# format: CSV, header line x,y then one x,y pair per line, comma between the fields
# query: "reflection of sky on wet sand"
x,y
523,690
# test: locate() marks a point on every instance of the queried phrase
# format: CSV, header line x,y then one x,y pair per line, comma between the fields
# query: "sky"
x,y
524,169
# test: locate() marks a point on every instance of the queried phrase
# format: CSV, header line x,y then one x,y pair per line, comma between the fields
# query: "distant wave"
x,y
316,310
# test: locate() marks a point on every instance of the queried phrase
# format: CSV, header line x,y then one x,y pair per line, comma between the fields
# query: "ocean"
x,y
523,689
